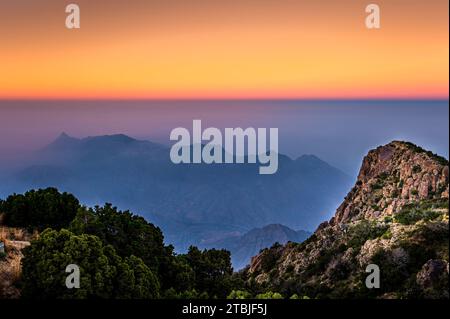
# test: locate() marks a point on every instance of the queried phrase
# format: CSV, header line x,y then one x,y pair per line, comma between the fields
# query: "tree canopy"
x,y
103,274
39,209
127,233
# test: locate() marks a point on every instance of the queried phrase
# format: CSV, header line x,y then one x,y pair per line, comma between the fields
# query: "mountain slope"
x,y
243,247
396,216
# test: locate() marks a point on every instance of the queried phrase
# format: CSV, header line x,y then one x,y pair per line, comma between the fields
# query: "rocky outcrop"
x,y
390,177
396,216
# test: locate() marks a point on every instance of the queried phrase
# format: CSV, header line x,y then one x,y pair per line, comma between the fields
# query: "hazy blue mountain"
x,y
244,247
191,203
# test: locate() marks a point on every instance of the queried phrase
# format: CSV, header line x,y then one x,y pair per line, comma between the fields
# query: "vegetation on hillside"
x,y
120,255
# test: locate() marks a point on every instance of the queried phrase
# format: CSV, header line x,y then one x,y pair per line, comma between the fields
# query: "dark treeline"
x,y
120,255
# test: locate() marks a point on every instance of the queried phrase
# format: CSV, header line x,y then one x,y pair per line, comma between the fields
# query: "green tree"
x,y
103,274
127,233
176,273
44,208
212,270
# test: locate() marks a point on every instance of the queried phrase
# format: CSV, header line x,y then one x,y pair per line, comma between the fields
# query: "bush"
x,y
239,294
411,215
269,258
363,231
269,295
416,169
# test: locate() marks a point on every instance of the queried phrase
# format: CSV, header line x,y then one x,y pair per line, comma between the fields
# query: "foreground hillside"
x,y
396,216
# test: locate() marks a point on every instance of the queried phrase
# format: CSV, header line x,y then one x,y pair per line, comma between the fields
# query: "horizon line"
x,y
230,99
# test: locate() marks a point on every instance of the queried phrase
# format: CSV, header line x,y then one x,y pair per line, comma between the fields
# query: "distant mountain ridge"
x,y
245,246
192,203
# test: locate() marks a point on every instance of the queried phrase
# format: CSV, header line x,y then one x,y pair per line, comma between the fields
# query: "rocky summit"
x,y
396,217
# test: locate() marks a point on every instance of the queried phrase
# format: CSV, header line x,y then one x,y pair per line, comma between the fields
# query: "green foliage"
x,y
176,273
441,160
295,296
379,184
239,294
410,214
212,269
321,263
187,294
41,209
269,295
395,274
416,169
387,234
363,231
395,193
127,233
392,276
388,219
103,274
269,257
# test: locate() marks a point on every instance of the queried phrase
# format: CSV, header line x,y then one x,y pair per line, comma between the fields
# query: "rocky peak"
x,y
396,216
392,176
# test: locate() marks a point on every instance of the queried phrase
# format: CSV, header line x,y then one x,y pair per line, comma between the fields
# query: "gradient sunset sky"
x,y
180,49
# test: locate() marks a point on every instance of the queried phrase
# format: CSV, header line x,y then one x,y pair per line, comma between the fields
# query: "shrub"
x,y
387,234
410,215
416,169
363,231
239,294
269,295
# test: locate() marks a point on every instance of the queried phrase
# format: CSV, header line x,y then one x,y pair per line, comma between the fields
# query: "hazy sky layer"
x,y
224,49
340,132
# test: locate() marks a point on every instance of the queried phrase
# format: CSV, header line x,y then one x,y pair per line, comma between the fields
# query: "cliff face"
x,y
396,216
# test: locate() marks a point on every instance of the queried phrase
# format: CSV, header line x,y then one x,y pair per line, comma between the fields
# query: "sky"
x,y
211,49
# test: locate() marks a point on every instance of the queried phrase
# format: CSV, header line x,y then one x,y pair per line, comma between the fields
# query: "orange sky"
x,y
224,49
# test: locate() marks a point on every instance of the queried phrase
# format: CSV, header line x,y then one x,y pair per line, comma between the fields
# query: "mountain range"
x,y
193,204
